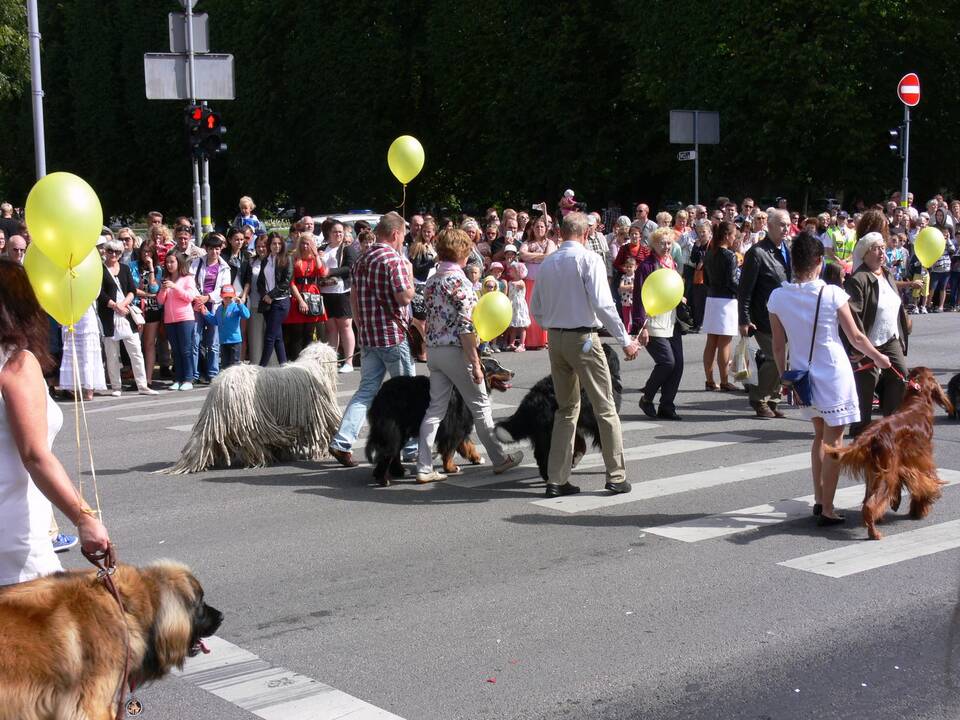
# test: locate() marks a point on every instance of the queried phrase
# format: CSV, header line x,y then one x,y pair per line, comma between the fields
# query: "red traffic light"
x,y
196,113
213,120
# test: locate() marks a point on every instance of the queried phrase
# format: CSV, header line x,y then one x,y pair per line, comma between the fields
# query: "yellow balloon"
x,y
405,158
64,218
492,315
662,291
64,294
929,245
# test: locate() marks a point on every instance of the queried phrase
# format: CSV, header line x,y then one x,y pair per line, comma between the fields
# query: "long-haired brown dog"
x,y
897,452
62,641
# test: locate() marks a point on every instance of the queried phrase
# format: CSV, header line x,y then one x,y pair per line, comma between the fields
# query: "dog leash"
x,y
106,564
872,366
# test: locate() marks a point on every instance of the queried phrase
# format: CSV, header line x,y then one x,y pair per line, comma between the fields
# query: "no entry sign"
x,y
908,90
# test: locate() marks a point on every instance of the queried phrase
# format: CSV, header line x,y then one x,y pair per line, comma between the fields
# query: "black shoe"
x,y
561,490
649,409
817,509
618,488
166,373
824,521
668,414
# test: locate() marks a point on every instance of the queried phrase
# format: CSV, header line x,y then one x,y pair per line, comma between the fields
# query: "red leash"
x,y
872,366
106,564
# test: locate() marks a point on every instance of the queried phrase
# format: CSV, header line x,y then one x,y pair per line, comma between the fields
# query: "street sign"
x,y
687,155
166,76
177,23
682,127
908,90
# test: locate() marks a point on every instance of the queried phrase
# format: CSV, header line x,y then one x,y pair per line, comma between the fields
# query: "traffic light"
x,y
205,131
194,123
213,132
896,141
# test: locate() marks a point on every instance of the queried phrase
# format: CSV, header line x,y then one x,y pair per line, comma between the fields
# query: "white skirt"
x,y
89,360
720,317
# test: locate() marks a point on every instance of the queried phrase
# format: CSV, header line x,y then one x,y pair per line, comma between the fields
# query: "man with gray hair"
x,y
570,294
16,248
766,266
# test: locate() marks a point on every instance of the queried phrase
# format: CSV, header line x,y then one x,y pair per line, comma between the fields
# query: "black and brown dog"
x,y
533,419
398,409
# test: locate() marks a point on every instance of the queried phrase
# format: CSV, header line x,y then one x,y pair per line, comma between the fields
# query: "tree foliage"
x,y
513,100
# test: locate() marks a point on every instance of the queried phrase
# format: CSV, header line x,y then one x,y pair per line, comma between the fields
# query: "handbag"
x,y
263,307
314,303
137,316
798,381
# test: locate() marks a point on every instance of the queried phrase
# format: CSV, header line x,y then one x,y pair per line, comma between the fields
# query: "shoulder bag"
x,y
314,301
798,381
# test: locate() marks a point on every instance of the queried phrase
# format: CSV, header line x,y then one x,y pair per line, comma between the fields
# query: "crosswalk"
x,y
857,557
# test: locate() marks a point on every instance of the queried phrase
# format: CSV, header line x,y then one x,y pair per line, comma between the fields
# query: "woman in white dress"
x,y
720,321
86,355
794,319
31,477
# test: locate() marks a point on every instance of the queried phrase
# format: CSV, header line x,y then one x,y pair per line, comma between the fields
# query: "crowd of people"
x,y
174,308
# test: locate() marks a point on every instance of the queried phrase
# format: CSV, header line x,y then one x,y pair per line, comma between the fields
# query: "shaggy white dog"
x,y
255,416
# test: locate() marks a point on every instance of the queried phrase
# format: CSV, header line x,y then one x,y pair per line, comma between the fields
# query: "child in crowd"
x,y
246,218
489,285
626,289
176,295
568,203
516,291
917,271
472,272
496,272
896,255
227,317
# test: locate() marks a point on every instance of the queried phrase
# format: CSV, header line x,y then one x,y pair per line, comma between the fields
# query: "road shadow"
x,y
851,531
637,521
757,435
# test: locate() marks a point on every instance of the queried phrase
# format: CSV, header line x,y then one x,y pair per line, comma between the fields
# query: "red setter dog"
x,y
897,452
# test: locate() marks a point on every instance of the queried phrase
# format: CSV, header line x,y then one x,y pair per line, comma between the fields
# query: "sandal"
x,y
728,387
711,385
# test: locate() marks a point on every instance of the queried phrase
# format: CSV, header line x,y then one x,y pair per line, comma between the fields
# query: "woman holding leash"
x,y
808,314
31,477
453,360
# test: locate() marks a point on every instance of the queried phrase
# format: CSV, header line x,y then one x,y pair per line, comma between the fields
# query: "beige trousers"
x,y
570,368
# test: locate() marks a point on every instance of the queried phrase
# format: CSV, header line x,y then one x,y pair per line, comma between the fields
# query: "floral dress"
x,y
448,301
516,291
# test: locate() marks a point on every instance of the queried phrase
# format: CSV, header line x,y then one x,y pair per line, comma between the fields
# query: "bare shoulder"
x,y
21,364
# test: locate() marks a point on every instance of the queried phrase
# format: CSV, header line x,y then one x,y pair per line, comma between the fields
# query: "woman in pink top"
x,y
176,295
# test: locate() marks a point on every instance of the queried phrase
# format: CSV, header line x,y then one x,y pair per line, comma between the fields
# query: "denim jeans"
x,y
273,332
180,336
206,337
375,362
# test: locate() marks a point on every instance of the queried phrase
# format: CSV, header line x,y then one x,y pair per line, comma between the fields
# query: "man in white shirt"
x,y
570,294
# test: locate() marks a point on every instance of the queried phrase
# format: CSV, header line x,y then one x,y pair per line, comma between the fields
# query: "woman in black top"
x,y
720,314
273,284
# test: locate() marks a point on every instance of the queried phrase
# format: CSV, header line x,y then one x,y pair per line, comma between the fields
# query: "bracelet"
x,y
86,510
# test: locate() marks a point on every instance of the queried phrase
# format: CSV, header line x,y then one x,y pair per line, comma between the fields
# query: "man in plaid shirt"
x,y
382,287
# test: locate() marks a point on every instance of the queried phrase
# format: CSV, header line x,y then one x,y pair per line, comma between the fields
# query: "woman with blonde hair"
x,y
306,310
533,251
423,257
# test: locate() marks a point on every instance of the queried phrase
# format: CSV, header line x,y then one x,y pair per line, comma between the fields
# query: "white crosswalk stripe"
x,y
759,516
864,555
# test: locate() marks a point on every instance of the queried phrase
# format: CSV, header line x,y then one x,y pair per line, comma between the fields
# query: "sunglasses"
x,y
112,252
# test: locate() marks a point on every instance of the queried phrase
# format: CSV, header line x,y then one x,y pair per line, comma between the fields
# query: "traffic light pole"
x,y
206,217
36,88
192,79
906,156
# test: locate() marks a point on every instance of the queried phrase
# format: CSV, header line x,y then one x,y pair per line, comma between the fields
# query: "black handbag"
x,y
314,301
798,381
263,307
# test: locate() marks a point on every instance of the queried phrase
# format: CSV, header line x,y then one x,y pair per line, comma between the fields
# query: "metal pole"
x,y
192,82
696,159
36,88
906,156
206,216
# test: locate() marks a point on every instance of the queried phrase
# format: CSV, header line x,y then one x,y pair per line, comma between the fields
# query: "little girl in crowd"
x,y
516,291
496,271
626,289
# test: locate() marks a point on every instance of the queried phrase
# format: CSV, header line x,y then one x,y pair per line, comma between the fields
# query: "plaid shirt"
x,y
598,243
377,275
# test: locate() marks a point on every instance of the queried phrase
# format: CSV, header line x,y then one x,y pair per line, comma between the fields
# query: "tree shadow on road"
x,y
632,520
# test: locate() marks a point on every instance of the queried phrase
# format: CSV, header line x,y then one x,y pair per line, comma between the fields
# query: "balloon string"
x,y
80,413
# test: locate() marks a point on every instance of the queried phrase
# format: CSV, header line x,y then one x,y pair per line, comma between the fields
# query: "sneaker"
x,y
62,543
175,386
345,368
923,310
432,476
187,386
509,462
147,391
115,393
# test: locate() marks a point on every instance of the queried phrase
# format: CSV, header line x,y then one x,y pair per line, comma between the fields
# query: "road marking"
x,y
866,555
147,417
181,428
759,516
680,483
274,693
124,406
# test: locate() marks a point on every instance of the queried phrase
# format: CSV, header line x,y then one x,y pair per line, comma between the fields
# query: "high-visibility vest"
x,y
843,242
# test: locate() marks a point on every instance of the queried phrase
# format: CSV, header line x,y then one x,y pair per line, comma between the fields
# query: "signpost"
x,y
908,90
191,72
699,127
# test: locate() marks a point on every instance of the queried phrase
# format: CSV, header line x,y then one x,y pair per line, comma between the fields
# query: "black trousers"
x,y
229,355
885,383
667,354
296,336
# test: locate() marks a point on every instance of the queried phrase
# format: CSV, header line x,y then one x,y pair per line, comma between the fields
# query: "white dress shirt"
x,y
888,314
571,290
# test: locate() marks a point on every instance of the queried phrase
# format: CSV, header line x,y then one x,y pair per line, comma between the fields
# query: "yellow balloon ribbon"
x,y
64,217
405,158
492,315
65,294
662,291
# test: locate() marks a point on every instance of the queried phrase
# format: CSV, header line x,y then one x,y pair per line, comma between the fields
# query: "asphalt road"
x,y
476,599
